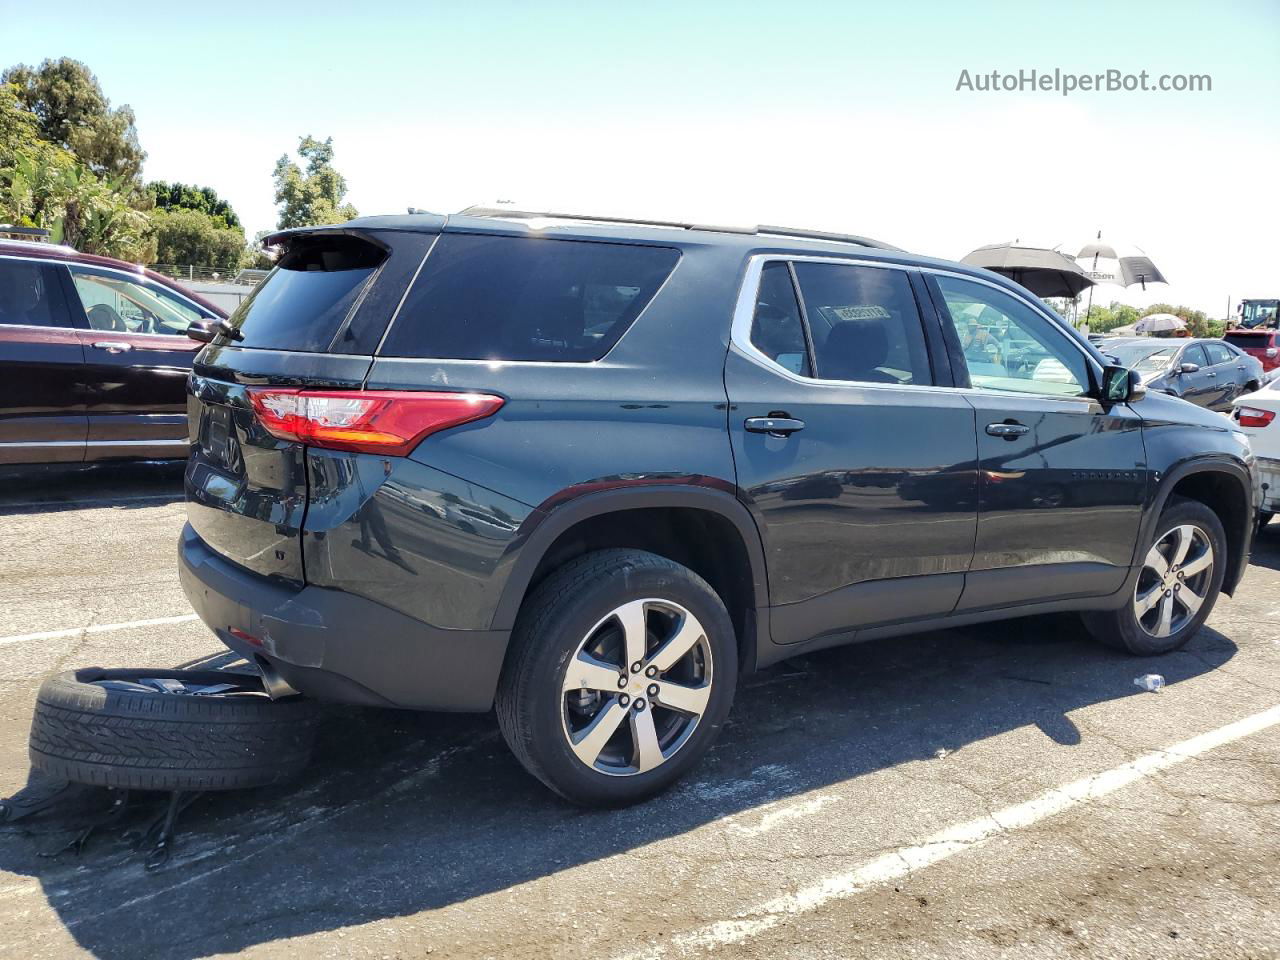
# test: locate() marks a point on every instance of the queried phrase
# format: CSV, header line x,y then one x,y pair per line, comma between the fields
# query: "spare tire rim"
x,y
235,685
636,687
1174,582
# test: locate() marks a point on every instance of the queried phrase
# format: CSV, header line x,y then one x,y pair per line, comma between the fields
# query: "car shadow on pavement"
x,y
41,489
404,812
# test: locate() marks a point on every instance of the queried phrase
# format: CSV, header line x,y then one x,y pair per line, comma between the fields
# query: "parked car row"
x,y
94,357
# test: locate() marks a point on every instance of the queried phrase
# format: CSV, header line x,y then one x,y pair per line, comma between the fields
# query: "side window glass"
x,y
776,329
1009,346
1195,354
1217,353
864,323
112,303
29,295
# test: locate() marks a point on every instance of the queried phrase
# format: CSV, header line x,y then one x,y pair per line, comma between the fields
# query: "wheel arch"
x,y
1223,484
643,516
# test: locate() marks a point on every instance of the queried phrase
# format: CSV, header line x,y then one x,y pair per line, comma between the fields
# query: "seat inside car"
x,y
104,317
854,350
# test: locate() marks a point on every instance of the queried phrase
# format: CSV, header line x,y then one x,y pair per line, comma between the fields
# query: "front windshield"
x,y
1259,313
1143,357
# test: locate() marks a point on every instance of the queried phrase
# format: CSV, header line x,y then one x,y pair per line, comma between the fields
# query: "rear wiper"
x,y
207,330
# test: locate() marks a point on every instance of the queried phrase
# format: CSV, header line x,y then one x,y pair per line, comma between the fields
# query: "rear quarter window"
x,y
305,300
512,298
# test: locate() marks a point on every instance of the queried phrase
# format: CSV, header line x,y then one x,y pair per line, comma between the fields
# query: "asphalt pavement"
x,y
996,791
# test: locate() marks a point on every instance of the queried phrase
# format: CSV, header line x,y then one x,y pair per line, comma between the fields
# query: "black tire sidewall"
x,y
87,733
632,575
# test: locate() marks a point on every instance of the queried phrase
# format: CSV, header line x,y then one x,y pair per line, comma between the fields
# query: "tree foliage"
x,y
182,196
311,196
48,188
72,112
185,236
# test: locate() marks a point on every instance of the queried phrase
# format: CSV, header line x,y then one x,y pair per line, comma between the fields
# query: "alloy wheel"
x,y
636,687
1174,581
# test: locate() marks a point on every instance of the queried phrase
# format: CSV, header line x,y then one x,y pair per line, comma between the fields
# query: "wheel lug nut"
x,y
623,681
1168,593
639,705
624,700
635,667
653,690
651,672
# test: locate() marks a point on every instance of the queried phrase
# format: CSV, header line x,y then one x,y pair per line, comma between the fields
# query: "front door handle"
x,y
1010,431
113,346
774,426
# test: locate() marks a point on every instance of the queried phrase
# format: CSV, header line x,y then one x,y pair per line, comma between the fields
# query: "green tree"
x,y
19,129
182,196
185,236
312,196
74,113
48,188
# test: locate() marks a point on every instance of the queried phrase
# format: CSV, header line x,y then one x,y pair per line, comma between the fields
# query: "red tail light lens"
x,y
1253,417
391,422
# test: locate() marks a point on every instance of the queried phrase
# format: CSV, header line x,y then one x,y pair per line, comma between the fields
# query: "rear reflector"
x,y
1253,417
390,422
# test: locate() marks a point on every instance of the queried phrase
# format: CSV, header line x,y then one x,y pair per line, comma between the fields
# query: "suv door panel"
x,y
42,413
1058,507
137,382
868,512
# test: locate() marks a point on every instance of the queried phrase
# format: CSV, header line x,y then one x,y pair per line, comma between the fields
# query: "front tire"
x,y
622,672
1181,576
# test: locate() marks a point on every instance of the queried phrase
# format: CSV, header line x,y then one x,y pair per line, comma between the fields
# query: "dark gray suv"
x,y
592,471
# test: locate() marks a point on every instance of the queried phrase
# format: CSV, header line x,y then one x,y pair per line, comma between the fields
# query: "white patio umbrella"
x,y
1159,323
1121,266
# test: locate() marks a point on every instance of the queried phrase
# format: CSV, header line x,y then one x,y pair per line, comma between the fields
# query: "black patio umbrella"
x,y
1046,273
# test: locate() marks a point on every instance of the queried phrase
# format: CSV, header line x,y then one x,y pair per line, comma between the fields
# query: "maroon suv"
x,y
1263,344
94,357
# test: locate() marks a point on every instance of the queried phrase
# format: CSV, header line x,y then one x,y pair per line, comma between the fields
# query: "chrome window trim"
x,y
95,443
744,313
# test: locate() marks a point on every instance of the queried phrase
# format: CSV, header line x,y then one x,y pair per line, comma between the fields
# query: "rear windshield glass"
x,y
1246,340
511,298
304,301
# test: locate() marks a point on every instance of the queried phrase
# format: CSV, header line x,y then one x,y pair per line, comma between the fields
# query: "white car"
x,y
1258,415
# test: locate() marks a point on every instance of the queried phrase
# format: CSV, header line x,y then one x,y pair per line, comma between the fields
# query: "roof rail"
x,y
757,230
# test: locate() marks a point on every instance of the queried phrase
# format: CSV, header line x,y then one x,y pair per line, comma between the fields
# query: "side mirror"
x,y
1189,368
206,330
201,330
1122,385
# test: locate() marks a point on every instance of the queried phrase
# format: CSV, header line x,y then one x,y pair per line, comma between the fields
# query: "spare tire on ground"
x,y
168,730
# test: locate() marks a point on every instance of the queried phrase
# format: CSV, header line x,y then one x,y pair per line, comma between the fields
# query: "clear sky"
x,y
842,115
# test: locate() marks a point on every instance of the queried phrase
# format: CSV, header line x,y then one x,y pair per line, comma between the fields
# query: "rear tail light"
x,y
1253,417
390,422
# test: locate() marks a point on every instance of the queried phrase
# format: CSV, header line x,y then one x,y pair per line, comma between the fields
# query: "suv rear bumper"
x,y
337,646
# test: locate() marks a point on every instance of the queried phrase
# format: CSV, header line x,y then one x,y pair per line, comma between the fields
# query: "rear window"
x,y
1246,340
511,298
303,302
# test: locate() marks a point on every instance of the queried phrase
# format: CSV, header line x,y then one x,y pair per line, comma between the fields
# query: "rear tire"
x,y
622,672
90,726
1155,618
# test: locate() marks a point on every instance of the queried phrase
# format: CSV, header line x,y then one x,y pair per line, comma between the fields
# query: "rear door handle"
x,y
113,346
1010,431
774,426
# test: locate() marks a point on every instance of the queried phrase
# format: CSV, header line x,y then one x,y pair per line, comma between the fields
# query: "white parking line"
x,y
954,839
99,628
